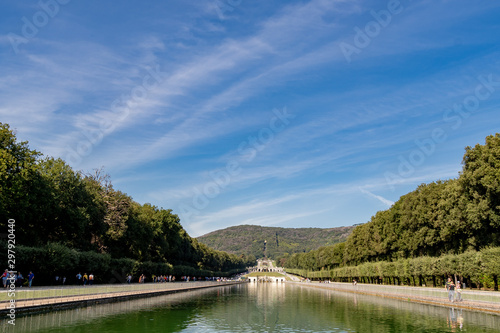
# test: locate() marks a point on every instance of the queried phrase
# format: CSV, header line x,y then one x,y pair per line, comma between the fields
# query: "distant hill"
x,y
249,239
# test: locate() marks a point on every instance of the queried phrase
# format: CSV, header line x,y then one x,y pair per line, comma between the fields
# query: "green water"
x,y
260,308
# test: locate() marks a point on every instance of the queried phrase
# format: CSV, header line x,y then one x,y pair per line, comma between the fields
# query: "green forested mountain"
x,y
62,215
249,239
440,218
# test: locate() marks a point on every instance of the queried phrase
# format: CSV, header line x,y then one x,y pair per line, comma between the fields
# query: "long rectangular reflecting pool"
x,y
259,307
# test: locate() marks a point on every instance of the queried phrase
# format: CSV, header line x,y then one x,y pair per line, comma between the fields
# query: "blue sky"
x,y
277,113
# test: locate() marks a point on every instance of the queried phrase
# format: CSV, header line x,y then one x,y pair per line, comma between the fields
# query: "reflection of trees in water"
x,y
309,308
395,315
470,319
260,307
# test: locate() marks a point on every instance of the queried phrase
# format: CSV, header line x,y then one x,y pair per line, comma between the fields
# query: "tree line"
x,y
54,204
448,217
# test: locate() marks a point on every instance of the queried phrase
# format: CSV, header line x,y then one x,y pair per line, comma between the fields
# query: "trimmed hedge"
x,y
477,268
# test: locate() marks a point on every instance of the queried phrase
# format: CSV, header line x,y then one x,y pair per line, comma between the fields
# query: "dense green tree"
x,y
18,178
81,219
64,217
480,181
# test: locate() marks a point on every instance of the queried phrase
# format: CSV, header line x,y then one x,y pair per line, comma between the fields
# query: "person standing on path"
x,y
458,292
31,276
85,279
79,278
91,279
20,279
4,278
450,286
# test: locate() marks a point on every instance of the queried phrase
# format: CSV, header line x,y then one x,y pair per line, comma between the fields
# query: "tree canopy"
x,y
54,204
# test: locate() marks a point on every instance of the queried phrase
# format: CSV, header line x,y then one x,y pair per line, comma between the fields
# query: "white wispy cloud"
x,y
383,200
273,208
220,80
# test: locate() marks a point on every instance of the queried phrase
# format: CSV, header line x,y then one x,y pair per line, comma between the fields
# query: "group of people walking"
x,y
9,277
85,279
154,278
454,291
160,278
17,278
